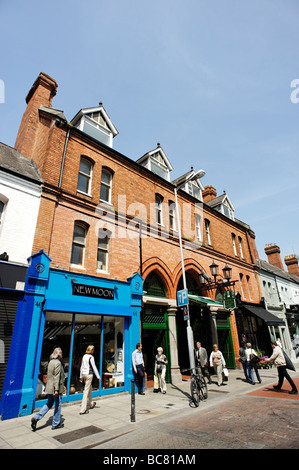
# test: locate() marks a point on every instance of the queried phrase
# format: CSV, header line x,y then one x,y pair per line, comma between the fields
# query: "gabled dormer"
x,y
223,205
194,188
157,162
96,123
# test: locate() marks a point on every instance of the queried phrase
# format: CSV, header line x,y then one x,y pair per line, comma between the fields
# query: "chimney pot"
x,y
209,193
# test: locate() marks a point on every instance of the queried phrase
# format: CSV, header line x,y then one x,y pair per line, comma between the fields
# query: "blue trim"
x,y
48,289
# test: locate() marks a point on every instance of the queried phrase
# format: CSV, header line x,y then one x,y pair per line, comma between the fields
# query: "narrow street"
x,y
259,419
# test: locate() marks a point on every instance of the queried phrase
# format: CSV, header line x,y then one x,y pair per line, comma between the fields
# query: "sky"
x,y
215,82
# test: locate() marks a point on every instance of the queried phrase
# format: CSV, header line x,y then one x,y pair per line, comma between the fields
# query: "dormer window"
x,y
223,205
157,162
96,123
194,190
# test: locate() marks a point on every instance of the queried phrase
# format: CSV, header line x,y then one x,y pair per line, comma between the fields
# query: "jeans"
x,y
245,369
252,367
57,410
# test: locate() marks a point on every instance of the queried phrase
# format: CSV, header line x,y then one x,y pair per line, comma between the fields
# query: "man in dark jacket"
x,y
54,390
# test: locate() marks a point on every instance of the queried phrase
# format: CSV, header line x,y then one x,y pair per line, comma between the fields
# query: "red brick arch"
x,y
157,266
191,266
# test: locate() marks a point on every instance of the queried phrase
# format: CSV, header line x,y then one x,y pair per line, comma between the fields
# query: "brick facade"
x,y
57,147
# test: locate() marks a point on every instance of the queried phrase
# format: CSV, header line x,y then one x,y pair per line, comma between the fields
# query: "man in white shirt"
x,y
138,367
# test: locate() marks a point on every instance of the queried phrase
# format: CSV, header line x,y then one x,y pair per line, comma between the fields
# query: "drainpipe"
x,y
63,157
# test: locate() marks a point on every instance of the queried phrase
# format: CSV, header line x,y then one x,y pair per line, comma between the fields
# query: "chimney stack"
x,y
292,264
209,193
41,93
273,253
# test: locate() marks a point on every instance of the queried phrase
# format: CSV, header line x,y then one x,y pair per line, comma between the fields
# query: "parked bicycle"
x,y
198,385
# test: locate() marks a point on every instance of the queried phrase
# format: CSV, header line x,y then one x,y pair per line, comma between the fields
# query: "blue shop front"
x,y
70,311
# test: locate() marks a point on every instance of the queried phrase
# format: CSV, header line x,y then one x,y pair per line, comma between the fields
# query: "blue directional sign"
x,y
183,297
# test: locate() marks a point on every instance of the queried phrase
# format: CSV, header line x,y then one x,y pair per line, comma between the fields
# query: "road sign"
x,y
186,313
183,297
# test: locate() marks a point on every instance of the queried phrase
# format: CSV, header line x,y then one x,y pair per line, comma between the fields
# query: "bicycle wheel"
x,y
194,391
202,387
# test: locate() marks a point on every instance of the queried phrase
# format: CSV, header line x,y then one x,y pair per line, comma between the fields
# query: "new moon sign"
x,y
93,291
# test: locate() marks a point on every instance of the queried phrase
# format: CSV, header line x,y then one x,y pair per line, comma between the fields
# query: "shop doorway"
x,y
225,341
154,335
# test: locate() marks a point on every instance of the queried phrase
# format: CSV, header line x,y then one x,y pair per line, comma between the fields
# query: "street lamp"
x,y
190,338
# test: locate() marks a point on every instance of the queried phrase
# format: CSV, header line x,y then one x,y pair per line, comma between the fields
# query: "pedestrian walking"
x,y
87,370
138,367
280,362
54,389
201,359
160,370
217,361
243,360
252,365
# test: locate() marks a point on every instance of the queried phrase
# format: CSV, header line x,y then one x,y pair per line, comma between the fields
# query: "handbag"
x,y
289,364
254,359
159,368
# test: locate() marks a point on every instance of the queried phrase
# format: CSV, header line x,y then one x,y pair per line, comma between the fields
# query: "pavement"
x,y
111,417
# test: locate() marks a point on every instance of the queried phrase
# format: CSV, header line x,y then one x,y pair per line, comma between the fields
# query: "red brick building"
x,y
106,215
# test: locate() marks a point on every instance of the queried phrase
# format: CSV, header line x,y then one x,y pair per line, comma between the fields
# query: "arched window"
x,y
159,211
85,176
153,286
103,249
208,231
106,185
79,243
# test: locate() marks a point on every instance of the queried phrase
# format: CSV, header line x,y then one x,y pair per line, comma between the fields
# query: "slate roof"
x,y
277,271
11,161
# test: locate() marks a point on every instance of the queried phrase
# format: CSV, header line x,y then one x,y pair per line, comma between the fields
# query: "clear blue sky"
x,y
209,80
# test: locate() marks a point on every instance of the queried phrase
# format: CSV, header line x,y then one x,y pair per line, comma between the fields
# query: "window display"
x,y
73,333
113,352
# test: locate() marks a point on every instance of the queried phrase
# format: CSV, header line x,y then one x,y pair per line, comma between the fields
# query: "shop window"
x,y
78,247
106,186
57,333
85,176
87,332
113,352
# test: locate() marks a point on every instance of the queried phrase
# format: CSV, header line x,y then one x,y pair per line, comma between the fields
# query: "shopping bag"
x,y
289,364
225,374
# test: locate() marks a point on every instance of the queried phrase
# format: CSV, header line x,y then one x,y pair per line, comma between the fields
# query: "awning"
x,y
262,313
204,300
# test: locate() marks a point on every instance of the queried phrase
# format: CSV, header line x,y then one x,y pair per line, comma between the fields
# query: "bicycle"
x,y
198,386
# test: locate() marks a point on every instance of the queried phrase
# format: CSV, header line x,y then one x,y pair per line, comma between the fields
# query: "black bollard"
x,y
133,401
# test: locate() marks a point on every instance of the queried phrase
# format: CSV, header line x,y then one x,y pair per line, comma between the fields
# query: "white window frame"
x,y
208,233
107,185
198,227
234,244
159,209
89,176
240,246
104,250
172,216
82,245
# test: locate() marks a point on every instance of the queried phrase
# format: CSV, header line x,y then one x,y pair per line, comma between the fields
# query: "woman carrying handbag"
x,y
160,371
